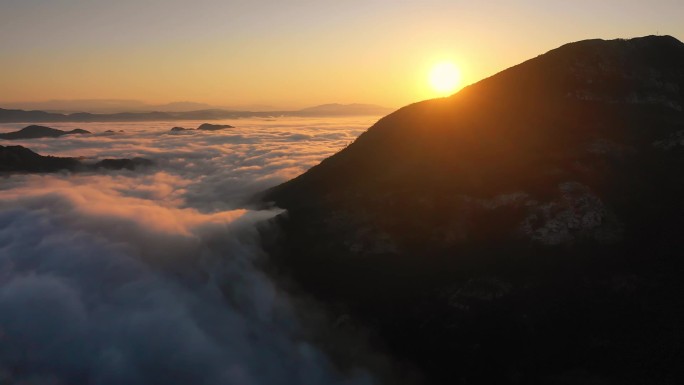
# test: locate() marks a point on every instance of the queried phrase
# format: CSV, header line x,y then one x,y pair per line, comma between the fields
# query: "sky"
x,y
290,54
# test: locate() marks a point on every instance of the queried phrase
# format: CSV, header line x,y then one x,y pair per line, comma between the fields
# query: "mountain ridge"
x,y
35,116
497,235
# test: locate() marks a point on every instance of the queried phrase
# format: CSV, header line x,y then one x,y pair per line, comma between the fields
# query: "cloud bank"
x,y
220,168
150,278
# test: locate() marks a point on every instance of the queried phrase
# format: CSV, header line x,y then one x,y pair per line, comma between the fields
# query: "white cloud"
x,y
149,277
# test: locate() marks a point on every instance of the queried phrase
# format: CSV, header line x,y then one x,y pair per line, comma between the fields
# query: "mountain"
x,y
90,105
19,159
527,229
213,127
35,132
122,164
106,106
345,110
203,127
181,106
19,116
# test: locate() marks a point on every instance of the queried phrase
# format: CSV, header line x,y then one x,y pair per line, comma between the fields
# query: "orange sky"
x,y
266,52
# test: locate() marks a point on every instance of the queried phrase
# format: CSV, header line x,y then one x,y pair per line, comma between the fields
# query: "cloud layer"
x,y
150,278
221,168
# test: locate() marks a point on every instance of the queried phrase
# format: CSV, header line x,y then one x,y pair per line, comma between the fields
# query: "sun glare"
x,y
444,78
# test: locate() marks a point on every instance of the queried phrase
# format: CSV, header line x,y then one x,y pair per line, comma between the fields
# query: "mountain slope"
x,y
524,230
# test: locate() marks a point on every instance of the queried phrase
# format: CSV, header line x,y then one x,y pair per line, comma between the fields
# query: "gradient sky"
x,y
291,53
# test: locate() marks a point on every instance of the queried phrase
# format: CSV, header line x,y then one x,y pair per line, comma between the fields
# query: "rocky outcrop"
x,y
481,235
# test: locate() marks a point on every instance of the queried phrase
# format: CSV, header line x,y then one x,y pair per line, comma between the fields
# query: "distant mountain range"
x,y
344,109
526,230
105,106
23,116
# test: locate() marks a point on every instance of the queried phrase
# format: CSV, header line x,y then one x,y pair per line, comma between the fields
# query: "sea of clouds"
x,y
150,276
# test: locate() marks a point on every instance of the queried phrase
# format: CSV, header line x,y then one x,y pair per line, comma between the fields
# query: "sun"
x,y
444,78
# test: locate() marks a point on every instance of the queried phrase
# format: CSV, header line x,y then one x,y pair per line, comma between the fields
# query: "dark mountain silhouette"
x,y
35,132
213,127
121,164
203,127
19,159
18,116
526,230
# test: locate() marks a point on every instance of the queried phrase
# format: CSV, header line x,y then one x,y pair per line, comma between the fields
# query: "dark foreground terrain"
x,y
527,230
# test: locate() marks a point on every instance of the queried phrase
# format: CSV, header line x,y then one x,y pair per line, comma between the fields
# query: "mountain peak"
x,y
587,88
462,216
640,70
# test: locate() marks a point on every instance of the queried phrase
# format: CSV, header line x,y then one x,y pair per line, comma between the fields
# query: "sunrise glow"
x,y
444,78
341,192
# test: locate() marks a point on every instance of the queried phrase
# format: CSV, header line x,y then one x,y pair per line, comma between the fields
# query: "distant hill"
x,y
181,106
203,127
213,127
526,230
80,105
345,110
106,106
19,159
35,132
21,116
